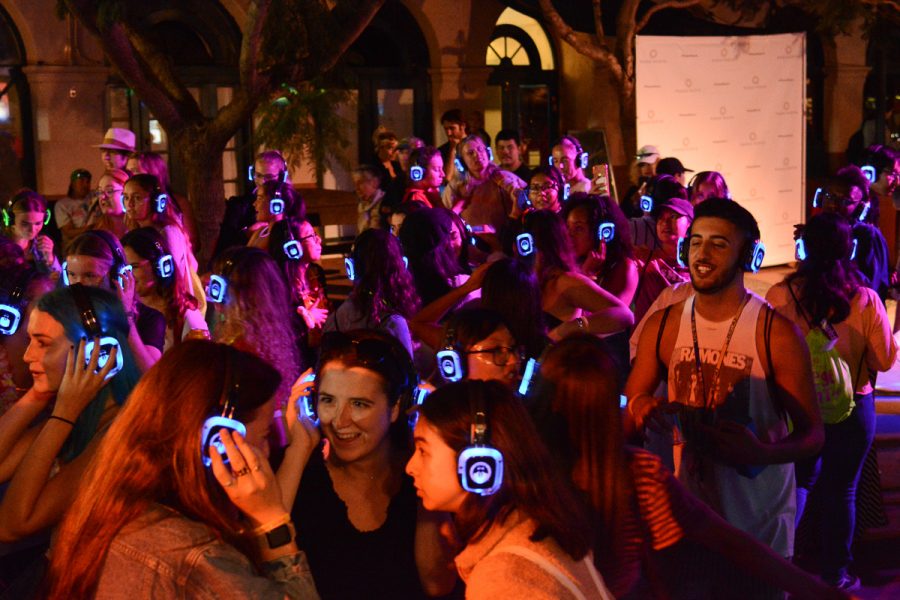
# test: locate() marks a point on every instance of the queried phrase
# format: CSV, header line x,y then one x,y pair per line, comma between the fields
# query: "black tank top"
x,y
346,562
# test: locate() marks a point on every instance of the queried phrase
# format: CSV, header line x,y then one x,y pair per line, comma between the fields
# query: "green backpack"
x,y
831,373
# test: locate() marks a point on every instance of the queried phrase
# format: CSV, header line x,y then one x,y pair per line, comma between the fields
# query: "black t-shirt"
x,y
346,562
239,214
523,173
151,326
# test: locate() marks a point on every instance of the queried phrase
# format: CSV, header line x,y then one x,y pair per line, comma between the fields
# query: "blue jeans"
x,y
833,476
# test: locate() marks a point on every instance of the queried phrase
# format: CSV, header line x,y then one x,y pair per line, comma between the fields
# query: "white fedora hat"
x,y
118,139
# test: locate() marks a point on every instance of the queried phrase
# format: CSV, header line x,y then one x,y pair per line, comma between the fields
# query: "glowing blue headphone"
x,y
292,248
801,254
752,261
210,434
646,204
480,465
449,361
864,206
525,244
606,231
218,284
870,173
582,159
11,310
416,173
94,330
276,204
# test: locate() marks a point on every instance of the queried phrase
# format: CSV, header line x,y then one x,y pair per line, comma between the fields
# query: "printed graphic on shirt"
x,y
729,397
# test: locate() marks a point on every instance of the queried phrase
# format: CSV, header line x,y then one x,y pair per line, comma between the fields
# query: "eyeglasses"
x,y
500,355
828,197
540,189
265,177
110,191
311,236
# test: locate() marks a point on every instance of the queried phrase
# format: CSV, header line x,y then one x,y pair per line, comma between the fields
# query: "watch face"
x,y
279,536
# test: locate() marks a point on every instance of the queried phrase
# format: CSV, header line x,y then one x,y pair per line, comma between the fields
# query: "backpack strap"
x,y
659,335
770,376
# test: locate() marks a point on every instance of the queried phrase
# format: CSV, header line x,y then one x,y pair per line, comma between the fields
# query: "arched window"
x,y
522,87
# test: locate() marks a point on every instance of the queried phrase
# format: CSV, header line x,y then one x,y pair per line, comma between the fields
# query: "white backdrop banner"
x,y
733,105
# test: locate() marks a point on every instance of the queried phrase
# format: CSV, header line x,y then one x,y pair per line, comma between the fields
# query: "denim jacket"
x,y
163,554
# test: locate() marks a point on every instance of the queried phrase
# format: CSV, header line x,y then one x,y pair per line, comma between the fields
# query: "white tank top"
x,y
758,502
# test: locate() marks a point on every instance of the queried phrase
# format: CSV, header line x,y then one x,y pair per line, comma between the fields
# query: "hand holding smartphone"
x,y
600,179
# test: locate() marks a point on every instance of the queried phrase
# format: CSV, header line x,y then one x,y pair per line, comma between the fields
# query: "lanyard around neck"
x,y
701,380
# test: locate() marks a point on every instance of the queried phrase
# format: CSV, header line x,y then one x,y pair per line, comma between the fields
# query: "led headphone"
x,y
384,349
416,173
163,264
480,465
291,248
11,308
460,165
863,207
869,172
525,244
282,174
119,266
9,216
751,261
449,361
801,253
210,435
646,204
218,283
276,204
581,157
94,330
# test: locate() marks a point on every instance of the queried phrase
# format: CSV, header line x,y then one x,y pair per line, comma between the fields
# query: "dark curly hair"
x,y
425,235
383,286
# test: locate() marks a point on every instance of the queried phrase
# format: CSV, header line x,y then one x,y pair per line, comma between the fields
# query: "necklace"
x,y
710,402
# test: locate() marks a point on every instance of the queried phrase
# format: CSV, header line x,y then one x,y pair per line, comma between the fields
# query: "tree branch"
x,y
625,38
663,6
251,45
598,22
349,26
580,42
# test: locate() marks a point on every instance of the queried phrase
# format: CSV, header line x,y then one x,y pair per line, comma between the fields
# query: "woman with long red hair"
x,y
152,519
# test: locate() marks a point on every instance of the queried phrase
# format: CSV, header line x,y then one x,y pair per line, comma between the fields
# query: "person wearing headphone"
x,y
521,532
111,203
363,531
181,501
97,258
384,294
155,281
275,201
481,192
601,239
24,215
147,205
240,214
548,189
831,304
20,288
83,372
734,447
570,158
425,176
484,345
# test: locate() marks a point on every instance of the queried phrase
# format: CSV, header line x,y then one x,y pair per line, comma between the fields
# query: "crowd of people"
x,y
531,390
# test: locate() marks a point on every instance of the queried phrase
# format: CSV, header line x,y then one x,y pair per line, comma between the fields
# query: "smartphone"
x,y
600,178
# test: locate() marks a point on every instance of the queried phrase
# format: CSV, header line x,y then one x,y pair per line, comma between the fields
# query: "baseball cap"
x,y
648,155
80,174
676,205
671,166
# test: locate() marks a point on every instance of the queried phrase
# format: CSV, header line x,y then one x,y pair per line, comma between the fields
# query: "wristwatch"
x,y
280,536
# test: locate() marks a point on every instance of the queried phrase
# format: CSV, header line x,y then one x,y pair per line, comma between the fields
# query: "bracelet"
x,y
267,527
72,423
582,322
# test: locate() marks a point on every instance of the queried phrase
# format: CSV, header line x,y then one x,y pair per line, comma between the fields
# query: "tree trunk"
x,y
628,124
202,161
